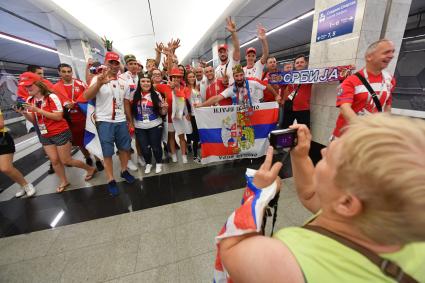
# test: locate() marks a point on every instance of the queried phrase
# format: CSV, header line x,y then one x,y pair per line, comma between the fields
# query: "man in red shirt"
x,y
74,90
214,86
297,99
271,68
354,99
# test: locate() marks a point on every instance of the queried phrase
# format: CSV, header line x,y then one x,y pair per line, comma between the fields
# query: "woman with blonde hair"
x,y
368,197
45,109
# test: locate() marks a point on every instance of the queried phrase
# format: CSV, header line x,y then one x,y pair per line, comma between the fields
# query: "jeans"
x,y
150,141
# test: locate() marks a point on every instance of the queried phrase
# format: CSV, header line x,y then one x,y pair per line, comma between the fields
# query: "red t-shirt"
x,y
301,101
216,88
79,87
168,92
268,95
51,104
354,92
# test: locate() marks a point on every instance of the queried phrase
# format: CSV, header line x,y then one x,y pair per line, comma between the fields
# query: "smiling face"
x,y
381,57
66,74
239,78
156,76
250,59
145,84
209,73
191,79
271,64
222,54
300,63
114,67
133,67
199,72
33,90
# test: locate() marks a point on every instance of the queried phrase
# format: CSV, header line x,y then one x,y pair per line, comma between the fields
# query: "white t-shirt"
x,y
132,81
255,72
203,84
255,88
222,68
195,98
115,90
145,117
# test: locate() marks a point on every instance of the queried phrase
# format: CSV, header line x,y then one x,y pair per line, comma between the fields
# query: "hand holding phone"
x,y
285,138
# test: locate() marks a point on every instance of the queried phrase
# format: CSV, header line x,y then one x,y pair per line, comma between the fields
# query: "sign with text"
x,y
337,20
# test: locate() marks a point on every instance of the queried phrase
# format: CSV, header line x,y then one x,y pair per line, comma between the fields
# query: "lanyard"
x,y
114,97
235,98
72,91
41,107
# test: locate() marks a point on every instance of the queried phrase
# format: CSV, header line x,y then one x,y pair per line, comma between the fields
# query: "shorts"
x,y
77,129
110,133
7,145
58,140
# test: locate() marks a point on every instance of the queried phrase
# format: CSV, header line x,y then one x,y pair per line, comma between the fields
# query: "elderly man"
x,y
355,99
369,221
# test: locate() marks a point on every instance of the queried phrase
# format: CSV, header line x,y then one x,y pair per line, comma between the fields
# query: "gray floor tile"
x,y
162,274
144,221
85,234
43,269
103,262
197,269
224,203
156,249
188,211
23,247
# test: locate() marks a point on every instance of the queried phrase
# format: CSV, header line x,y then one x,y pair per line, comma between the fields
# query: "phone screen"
x,y
283,138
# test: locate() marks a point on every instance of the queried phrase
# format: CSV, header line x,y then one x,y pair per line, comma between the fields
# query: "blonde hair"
x,y
44,90
383,164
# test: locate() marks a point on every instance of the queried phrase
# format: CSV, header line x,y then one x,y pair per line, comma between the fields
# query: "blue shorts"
x,y
110,133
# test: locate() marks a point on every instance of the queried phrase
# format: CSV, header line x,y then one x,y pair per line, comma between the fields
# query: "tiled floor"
x,y
169,243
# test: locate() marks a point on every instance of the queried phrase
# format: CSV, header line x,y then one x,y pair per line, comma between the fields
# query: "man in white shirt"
x,y
226,63
244,92
109,90
255,69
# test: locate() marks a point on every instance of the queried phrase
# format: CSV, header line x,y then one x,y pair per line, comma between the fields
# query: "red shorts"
x,y
77,130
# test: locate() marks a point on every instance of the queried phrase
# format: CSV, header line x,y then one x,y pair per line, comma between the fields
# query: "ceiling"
x,y
135,25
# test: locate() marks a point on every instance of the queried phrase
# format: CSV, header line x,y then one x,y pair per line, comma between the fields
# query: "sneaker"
x,y
99,166
131,166
29,189
184,158
20,192
141,161
113,189
174,157
148,168
196,159
89,161
128,177
158,168
51,170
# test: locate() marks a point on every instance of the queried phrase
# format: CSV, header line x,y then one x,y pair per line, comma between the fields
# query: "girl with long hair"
x,y
194,99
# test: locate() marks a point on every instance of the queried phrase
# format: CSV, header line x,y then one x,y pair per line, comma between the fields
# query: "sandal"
x,y
62,188
90,176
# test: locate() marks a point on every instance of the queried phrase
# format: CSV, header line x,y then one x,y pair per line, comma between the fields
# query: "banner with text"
x,y
231,132
311,76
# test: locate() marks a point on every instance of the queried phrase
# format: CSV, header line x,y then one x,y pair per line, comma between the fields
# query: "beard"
x,y
239,83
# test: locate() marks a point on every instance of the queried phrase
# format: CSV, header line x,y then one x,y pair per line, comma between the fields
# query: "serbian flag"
x,y
231,132
91,137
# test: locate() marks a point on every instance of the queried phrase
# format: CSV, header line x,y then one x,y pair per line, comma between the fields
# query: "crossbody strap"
x,y
371,91
388,267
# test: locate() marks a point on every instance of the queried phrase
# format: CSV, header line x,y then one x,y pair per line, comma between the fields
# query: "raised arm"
x,y
158,50
231,27
94,88
211,101
261,31
303,168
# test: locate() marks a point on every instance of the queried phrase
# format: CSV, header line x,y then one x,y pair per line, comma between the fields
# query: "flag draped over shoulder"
x,y
228,132
91,137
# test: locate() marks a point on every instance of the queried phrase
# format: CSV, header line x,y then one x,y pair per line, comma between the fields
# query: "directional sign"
x,y
337,20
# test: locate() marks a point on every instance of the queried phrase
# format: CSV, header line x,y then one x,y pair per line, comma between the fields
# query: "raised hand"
x,y
267,174
261,32
230,25
104,77
159,47
303,141
176,44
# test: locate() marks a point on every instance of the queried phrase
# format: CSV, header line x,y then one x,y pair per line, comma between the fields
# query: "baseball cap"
x,y
28,78
175,72
111,56
129,58
251,49
222,46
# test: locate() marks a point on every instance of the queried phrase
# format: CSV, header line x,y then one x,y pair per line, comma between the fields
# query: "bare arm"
x,y
347,112
303,169
387,108
104,78
56,116
264,44
231,27
212,100
127,110
158,50
1,121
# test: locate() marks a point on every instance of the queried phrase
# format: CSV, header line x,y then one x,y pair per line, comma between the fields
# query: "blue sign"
x,y
337,20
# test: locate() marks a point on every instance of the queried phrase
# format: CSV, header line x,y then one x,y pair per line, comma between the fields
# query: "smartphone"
x,y
285,138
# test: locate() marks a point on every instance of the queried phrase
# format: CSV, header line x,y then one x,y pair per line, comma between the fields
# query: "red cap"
x,y
111,56
251,49
222,46
175,72
28,78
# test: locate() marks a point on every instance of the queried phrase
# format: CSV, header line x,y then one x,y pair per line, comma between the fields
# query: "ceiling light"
x,y
306,15
209,61
249,42
57,218
22,41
